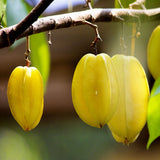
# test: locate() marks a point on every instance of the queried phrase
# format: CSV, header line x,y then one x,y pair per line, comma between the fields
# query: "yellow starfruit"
x,y
131,113
153,53
95,89
25,96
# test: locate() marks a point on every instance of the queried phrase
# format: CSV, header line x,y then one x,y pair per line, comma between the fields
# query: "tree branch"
x,y
10,34
77,18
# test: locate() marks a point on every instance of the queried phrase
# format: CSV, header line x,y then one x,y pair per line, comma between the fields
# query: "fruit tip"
x,y
26,129
126,141
148,145
100,125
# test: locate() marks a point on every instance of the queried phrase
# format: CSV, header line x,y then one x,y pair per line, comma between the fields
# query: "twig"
x,y
119,1
137,4
97,38
95,27
49,37
71,19
88,2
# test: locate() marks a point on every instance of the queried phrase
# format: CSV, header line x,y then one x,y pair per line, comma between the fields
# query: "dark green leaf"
x,y
153,114
40,55
3,12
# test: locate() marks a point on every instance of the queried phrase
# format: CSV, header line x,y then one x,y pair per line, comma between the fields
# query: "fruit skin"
x,y
153,53
25,96
131,113
95,89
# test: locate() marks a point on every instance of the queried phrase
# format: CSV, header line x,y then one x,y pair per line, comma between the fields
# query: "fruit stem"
x,y
133,39
28,51
122,41
49,37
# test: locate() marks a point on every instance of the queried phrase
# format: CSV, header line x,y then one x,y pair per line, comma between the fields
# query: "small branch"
x,y
97,38
88,2
77,18
95,27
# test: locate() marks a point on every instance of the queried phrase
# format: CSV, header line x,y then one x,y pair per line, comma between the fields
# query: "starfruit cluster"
x,y
25,96
112,91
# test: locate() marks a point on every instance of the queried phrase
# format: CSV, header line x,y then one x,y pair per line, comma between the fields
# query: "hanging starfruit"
x,y
153,53
95,89
131,113
25,96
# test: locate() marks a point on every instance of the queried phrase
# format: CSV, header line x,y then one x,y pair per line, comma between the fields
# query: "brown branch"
x,y
10,34
78,18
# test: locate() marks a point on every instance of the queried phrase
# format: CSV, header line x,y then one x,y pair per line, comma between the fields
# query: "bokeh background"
x,y
61,135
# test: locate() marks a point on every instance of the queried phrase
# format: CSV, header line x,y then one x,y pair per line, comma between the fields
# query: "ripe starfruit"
x,y
25,96
131,113
95,89
153,55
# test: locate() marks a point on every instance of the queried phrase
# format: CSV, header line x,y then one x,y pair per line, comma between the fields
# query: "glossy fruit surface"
x,y
95,89
25,96
153,53
131,113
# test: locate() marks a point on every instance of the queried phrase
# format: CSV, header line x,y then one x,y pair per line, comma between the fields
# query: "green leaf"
x,y
3,12
153,113
125,3
92,3
152,4
40,55
16,10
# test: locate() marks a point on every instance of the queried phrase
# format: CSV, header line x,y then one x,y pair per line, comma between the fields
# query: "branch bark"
x,y
77,18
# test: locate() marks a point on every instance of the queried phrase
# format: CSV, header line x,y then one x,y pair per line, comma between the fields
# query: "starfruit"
x,y
95,89
153,53
130,117
25,96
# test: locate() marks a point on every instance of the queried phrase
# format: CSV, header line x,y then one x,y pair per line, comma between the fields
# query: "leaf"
x,y
125,3
16,10
152,4
153,114
40,55
3,12
92,2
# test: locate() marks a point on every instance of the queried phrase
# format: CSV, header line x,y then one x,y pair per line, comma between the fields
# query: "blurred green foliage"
x,y
40,55
57,139
3,12
152,4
